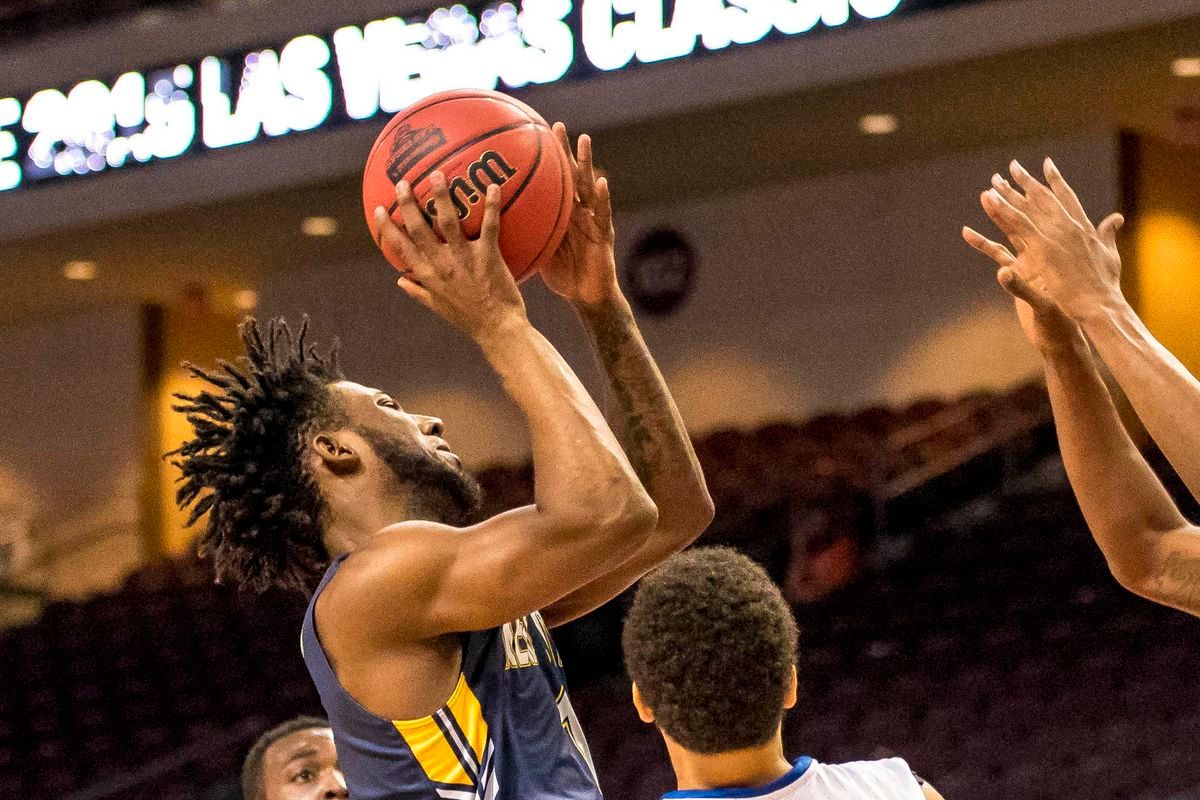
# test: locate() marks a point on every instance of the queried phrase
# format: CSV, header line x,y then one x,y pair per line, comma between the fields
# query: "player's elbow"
x,y
1134,576
633,515
624,522
700,515
683,523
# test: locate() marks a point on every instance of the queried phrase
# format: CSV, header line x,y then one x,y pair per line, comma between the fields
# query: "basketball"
x,y
476,138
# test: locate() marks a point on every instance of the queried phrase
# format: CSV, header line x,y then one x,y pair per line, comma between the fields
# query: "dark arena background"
x,y
788,184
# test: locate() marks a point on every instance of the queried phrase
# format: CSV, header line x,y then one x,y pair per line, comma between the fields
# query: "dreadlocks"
x,y
246,463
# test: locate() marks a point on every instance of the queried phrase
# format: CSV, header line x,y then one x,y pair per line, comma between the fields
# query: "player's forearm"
x,y
579,465
646,420
1125,505
1164,394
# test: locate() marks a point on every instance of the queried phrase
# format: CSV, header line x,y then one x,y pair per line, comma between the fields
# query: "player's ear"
x,y
789,699
336,453
643,710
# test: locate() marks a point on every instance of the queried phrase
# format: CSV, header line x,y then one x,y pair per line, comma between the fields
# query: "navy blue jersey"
x,y
508,731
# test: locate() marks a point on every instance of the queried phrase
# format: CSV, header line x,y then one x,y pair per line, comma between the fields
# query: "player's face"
x,y
379,411
410,447
303,766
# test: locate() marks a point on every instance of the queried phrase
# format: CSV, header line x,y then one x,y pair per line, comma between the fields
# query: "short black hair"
x,y
245,464
711,644
252,767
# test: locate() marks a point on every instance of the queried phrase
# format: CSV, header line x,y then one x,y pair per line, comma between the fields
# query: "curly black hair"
x,y
245,465
711,643
252,767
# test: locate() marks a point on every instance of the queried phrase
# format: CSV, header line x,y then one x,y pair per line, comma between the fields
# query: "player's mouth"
x,y
446,454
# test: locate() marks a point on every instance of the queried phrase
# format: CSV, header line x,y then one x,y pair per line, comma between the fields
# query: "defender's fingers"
x,y
602,207
1012,221
993,250
1019,288
1109,227
394,238
1035,190
489,228
1009,192
446,215
1065,194
414,221
586,174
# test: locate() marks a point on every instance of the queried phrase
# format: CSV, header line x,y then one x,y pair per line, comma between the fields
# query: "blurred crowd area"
x,y
950,599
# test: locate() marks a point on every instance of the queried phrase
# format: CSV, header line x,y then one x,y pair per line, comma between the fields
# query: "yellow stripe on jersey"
x,y
465,708
440,753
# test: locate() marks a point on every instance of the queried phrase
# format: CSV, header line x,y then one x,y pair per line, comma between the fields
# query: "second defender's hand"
x,y
465,282
583,270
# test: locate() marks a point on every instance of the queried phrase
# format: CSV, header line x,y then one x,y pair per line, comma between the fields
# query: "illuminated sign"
x,y
357,72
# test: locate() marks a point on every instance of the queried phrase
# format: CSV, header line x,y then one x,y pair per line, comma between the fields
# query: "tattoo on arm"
x,y
637,389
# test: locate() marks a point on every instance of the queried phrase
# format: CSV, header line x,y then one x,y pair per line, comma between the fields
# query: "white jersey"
x,y
889,779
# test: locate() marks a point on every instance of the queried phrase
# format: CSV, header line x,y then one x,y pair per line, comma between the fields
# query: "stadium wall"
x,y
824,293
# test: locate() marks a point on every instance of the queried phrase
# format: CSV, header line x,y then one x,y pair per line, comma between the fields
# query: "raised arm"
x,y
643,412
590,511
1149,546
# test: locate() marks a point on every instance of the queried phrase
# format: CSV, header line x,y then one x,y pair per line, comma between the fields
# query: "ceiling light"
x,y
79,270
1186,67
246,299
319,226
878,124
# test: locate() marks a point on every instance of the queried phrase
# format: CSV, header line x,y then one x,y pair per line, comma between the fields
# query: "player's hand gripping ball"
x,y
476,138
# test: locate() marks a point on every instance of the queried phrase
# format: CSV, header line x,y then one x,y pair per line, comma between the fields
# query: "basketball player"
x,y
1064,274
711,648
427,637
294,761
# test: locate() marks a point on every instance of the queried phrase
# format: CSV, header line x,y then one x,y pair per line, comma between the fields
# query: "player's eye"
x,y
303,776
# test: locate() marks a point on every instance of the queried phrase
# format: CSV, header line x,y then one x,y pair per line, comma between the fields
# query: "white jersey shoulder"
x,y
889,779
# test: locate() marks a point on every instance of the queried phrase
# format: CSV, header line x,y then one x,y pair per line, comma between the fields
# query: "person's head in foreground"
x,y
294,761
710,645
292,461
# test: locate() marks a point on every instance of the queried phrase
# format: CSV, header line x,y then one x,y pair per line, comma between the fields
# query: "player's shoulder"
x,y
892,772
412,549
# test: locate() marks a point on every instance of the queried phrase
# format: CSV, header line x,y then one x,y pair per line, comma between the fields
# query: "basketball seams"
x,y
529,176
421,105
565,203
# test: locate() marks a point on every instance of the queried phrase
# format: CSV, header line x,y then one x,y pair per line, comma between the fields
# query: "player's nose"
x,y
430,426
335,787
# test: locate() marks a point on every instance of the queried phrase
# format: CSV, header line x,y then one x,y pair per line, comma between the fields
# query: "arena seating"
x,y
980,637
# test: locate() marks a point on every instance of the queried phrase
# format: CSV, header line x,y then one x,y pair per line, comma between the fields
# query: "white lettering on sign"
x,y
611,39
277,93
10,170
380,67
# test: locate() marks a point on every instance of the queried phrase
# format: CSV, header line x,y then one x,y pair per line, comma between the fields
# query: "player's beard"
x,y
439,491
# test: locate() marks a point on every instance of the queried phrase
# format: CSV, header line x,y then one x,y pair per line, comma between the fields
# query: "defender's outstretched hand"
x,y
465,282
1055,248
1044,323
583,270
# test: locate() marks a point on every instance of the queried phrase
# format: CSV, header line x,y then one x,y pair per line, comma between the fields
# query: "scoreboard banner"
x,y
360,71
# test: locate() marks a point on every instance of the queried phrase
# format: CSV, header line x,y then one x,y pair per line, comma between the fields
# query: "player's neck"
x,y
748,768
355,523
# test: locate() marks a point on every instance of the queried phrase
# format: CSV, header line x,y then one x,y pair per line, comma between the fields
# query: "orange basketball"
x,y
477,137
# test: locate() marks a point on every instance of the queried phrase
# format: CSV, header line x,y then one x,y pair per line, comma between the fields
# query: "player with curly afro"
x,y
710,645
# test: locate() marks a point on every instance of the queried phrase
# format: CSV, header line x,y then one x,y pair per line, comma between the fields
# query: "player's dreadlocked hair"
x,y
245,465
